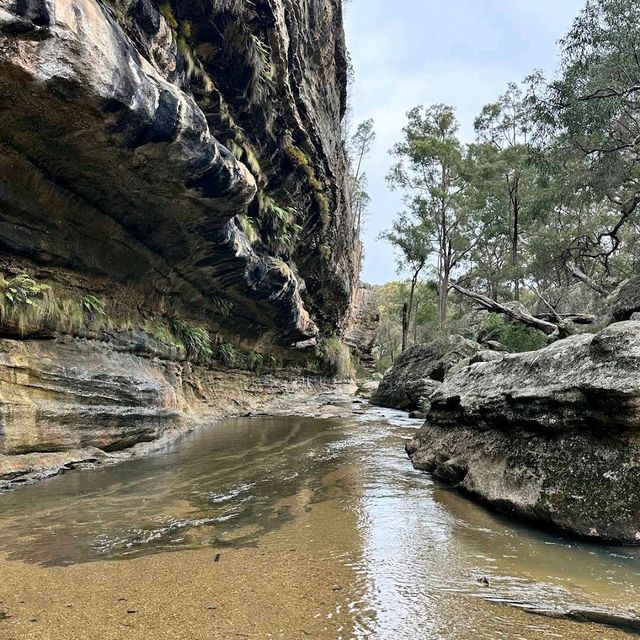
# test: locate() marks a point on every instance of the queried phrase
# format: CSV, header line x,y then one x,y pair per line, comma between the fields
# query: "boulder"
x,y
624,301
420,370
549,436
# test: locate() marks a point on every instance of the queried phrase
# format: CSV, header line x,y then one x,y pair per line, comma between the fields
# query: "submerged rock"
x,y
550,436
419,371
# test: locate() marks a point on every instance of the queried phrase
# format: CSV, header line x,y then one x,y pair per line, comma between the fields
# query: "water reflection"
x,y
426,562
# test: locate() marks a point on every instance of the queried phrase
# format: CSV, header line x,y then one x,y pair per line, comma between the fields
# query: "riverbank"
x,y
280,589
70,403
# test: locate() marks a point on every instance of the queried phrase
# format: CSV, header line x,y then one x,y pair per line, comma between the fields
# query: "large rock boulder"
x,y
420,370
551,436
624,301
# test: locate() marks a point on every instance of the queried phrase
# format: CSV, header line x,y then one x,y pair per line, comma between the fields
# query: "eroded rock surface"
x,y
550,436
65,402
420,370
133,134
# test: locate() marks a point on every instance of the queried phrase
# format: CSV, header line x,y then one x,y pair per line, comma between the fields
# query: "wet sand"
x,y
274,590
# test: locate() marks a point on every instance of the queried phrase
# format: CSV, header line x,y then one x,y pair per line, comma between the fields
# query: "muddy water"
x,y
421,561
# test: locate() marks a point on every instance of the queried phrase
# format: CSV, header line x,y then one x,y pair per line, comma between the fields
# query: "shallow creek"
x,y
320,526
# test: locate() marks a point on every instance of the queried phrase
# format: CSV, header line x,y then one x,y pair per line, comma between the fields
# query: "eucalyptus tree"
x,y
505,129
595,105
430,173
412,235
359,148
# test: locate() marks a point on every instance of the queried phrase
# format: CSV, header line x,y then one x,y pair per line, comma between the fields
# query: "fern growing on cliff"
x,y
279,222
196,340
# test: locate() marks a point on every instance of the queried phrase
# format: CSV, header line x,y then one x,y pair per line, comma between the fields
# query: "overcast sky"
x,y
459,52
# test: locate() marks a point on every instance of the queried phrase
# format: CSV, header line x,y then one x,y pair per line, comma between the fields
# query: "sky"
x,y
458,52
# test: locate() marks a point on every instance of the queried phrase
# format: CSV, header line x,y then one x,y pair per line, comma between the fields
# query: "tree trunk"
x,y
443,297
414,284
514,196
405,325
584,278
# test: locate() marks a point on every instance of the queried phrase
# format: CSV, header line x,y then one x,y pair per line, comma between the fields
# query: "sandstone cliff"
x,y
190,149
173,205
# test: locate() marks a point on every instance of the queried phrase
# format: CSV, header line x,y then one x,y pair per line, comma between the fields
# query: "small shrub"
x,y
93,306
280,221
254,361
228,354
22,290
162,332
515,337
196,340
24,303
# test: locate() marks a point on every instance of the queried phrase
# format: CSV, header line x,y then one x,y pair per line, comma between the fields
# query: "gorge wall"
x,y
173,191
193,149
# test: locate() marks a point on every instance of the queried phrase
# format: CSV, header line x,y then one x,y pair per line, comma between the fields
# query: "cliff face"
x,y
190,151
174,217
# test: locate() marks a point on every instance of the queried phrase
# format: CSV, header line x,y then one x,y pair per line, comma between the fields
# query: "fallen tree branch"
x,y
576,318
531,321
585,279
553,314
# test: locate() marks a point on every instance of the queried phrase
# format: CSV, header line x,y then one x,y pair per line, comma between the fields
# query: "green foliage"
x,y
279,222
29,306
359,146
232,356
254,361
515,337
162,330
249,227
338,358
300,160
228,354
93,306
196,340
22,290
166,10
265,69
384,363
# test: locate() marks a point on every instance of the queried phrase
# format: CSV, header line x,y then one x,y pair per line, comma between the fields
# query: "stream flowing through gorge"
x,y
402,557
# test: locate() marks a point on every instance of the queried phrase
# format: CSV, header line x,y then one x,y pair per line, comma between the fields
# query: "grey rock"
x,y
419,371
494,345
116,161
486,356
362,326
417,415
625,300
551,436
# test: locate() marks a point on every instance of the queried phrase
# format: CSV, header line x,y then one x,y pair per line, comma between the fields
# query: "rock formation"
x,y
362,328
134,139
68,402
420,370
172,182
549,436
